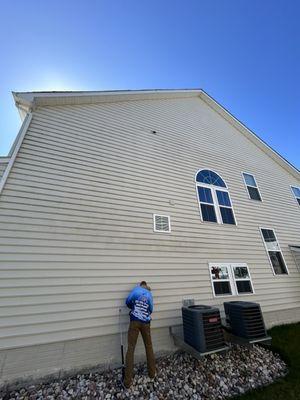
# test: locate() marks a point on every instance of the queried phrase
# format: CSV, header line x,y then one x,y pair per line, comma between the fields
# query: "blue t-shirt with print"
x,y
140,302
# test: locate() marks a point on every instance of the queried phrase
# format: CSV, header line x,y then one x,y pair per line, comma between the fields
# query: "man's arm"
x,y
130,299
151,303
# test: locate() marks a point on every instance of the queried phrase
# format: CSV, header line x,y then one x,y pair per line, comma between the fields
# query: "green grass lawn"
x,y
286,342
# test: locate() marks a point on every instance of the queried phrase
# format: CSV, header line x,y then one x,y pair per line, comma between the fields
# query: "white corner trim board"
x,y
17,146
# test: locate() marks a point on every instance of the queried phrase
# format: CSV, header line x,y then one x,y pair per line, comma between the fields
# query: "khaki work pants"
x,y
135,328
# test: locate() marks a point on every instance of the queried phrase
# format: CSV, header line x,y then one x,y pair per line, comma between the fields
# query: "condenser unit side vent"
x,y
245,319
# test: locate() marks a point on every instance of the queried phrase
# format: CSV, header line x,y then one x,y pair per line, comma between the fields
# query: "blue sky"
x,y
246,54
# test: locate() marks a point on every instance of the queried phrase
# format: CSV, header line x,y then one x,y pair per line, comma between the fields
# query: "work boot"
x,y
125,387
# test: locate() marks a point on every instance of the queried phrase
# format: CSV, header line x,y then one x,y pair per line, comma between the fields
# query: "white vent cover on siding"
x,y
161,223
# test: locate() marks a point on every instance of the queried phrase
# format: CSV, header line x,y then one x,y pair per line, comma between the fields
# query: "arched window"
x,y
213,196
210,178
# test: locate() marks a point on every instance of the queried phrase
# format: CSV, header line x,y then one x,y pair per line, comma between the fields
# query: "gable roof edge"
x,y
27,101
249,134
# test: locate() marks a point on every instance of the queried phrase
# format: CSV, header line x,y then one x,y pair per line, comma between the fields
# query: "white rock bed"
x,y
179,376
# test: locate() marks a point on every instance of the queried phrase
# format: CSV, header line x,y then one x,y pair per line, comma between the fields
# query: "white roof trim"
x,y
15,149
29,96
250,134
30,100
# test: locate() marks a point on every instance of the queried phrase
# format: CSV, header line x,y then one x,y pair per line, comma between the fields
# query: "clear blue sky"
x,y
246,54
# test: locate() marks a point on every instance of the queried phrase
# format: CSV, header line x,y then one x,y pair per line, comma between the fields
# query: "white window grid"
x,y
279,250
215,203
161,230
255,187
231,279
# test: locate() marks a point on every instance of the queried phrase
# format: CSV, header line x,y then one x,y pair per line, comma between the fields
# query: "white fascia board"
x,y
30,96
15,149
30,100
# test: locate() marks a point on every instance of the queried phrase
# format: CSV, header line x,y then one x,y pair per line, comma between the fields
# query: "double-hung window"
x,y
230,279
214,200
296,192
252,187
274,252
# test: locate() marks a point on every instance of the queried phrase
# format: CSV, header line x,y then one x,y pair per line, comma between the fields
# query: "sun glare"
x,y
54,82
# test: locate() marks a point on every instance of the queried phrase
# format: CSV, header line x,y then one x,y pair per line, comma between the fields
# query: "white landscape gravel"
x,y
179,376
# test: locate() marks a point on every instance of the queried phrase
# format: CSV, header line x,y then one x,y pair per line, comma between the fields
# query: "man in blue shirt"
x,y
140,302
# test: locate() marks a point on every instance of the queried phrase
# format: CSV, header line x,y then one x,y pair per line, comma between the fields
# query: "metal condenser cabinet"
x,y
202,328
245,319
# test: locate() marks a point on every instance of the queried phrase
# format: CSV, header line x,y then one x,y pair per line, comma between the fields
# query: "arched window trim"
x,y
217,207
210,184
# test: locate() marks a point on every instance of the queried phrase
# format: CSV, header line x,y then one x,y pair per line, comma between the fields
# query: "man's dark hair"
x,y
145,285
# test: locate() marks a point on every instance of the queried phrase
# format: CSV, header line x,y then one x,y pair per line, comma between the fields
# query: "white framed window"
x,y
251,185
161,223
214,200
296,193
230,279
274,252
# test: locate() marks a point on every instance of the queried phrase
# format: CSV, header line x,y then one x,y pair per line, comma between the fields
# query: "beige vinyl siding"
x,y
297,258
76,217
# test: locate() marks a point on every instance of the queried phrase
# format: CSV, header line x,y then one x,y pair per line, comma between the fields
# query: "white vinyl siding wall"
x,y
76,217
